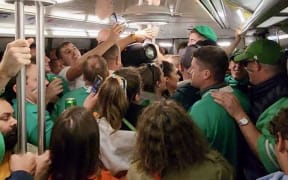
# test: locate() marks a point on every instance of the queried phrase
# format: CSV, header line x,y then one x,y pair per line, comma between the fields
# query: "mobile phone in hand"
x,y
97,83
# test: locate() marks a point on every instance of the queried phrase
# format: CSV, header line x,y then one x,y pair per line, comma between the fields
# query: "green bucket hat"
x,y
206,31
2,148
264,51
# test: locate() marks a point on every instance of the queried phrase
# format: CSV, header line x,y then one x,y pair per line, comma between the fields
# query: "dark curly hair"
x,y
168,139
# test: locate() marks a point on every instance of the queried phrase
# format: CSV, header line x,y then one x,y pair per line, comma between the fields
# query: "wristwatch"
x,y
243,122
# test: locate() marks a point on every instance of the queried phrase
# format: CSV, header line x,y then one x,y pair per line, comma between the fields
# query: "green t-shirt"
x,y
79,94
218,126
32,123
2,147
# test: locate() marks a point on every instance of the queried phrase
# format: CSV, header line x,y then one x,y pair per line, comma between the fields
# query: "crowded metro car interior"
x,y
143,89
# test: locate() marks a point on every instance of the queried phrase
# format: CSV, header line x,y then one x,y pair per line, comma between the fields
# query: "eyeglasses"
x,y
246,62
122,82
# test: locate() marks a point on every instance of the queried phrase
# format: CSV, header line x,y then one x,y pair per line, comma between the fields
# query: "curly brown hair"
x,y
168,139
280,124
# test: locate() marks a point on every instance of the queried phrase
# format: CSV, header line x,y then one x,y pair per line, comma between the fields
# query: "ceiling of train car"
x,y
188,13
176,15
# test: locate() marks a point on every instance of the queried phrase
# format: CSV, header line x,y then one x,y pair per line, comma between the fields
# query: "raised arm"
x,y
229,50
76,70
138,36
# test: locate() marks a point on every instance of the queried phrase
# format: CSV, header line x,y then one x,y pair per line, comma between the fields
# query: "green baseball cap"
x,y
2,148
206,31
236,53
264,51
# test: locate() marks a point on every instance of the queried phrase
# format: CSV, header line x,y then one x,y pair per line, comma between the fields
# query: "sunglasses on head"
x,y
122,82
151,67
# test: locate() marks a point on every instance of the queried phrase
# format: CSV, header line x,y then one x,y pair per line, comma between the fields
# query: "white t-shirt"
x,y
77,83
116,148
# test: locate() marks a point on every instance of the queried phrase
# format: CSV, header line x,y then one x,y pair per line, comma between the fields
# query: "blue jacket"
x,y
20,175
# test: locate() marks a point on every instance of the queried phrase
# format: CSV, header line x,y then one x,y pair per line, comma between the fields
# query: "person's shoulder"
x,y
2,147
63,71
206,100
216,158
237,92
183,83
134,173
279,175
219,163
214,166
275,107
20,175
74,93
207,103
80,91
104,175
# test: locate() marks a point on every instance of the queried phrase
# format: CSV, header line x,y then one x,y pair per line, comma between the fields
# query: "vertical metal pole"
x,y
277,35
40,55
21,81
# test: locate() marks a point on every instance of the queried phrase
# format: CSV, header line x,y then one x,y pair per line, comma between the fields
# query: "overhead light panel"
x,y
9,30
224,43
282,36
165,44
240,14
156,23
284,10
96,19
65,15
63,1
271,21
71,33
93,33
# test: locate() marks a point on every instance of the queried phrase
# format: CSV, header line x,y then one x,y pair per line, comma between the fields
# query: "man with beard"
x,y
8,128
21,166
